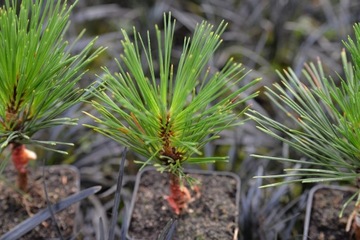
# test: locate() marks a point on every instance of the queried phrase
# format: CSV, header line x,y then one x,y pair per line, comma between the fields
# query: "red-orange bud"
x,y
21,156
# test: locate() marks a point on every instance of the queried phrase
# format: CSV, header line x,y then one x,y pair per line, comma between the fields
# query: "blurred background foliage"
x,y
264,35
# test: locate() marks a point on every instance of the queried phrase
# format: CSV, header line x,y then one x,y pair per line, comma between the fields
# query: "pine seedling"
x,y
169,114
325,117
38,75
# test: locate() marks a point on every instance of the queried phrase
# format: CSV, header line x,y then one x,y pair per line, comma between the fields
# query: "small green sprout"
x,y
171,112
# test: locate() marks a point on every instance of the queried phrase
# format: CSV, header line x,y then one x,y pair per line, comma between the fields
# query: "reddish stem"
x,y
22,181
179,195
20,157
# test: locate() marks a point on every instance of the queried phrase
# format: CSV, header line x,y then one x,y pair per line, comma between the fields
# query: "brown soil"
x,y
325,223
61,181
211,216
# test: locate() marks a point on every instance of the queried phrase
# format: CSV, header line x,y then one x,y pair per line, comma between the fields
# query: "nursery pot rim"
x,y
191,171
310,202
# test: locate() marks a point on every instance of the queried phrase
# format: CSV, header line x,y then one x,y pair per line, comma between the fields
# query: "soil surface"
x,y
325,223
61,181
213,215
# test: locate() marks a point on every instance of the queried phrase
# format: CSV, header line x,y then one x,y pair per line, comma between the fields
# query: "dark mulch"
x,y
61,181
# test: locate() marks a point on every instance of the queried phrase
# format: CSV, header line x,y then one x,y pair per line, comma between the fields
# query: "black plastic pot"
x,y
214,214
324,205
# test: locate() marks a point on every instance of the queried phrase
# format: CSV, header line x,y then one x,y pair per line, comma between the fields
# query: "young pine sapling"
x,y
324,116
171,112
38,75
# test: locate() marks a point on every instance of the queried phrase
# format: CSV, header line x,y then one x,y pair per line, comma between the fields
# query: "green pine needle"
x,y
324,118
166,113
38,74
